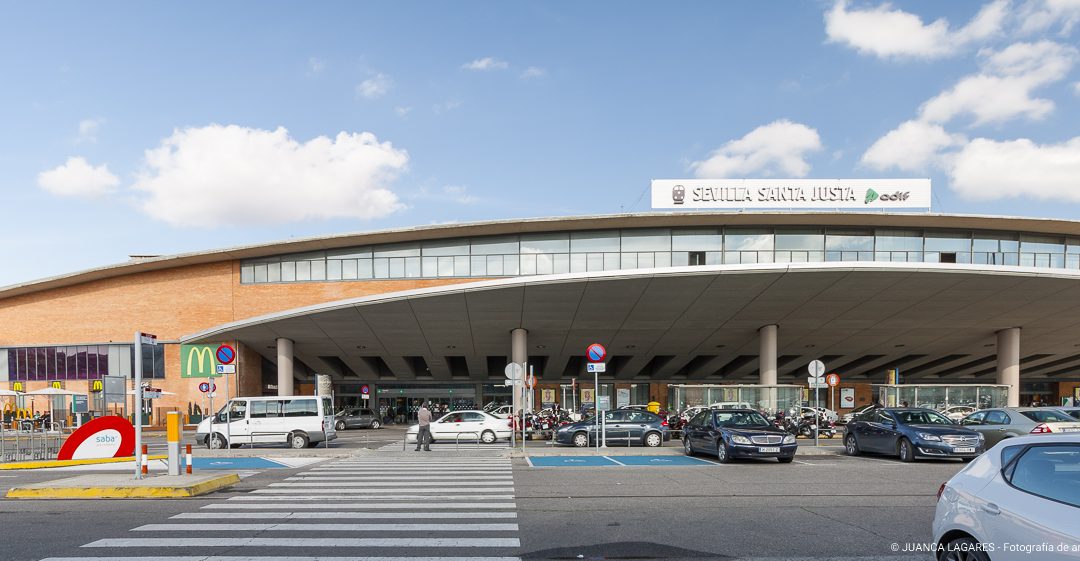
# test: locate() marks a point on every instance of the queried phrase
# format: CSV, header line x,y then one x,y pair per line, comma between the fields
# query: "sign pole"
x,y
817,416
596,406
228,419
138,404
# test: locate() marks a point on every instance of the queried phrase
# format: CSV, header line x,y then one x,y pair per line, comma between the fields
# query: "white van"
x,y
298,421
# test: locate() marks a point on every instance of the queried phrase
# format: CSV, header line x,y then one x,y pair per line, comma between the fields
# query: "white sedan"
x,y
1014,501
466,426
958,412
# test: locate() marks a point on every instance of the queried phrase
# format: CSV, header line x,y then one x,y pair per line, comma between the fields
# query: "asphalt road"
x,y
823,507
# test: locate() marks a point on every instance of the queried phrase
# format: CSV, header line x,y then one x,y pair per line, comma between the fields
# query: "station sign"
x,y
104,437
738,194
593,367
203,361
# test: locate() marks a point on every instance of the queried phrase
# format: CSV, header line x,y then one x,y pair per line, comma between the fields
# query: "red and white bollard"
x,y
187,459
145,466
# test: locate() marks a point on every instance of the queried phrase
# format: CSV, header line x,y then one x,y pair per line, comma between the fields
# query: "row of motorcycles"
x,y
798,425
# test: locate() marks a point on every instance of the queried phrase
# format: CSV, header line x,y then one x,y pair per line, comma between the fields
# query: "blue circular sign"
x,y
364,389
596,352
204,387
225,354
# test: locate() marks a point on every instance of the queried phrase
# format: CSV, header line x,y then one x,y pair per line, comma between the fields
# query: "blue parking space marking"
x,y
571,461
661,461
233,463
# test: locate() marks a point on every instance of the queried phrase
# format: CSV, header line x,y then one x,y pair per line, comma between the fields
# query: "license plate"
x,y
964,450
768,449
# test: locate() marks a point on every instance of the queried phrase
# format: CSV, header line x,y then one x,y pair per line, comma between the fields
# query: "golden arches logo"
x,y
58,385
17,387
96,386
204,360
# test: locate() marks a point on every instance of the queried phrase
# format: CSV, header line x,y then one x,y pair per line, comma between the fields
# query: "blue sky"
x,y
146,128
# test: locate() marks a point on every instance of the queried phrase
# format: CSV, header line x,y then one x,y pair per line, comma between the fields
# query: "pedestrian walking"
x,y
423,436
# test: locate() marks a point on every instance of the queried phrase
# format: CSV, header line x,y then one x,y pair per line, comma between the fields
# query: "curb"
x,y
132,492
66,463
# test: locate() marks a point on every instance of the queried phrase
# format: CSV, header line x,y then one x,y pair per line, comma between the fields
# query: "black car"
x,y
910,433
356,418
737,433
623,428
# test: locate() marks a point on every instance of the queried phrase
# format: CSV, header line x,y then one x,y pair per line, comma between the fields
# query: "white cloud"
x,y
533,72
988,169
486,63
1040,15
376,86
1076,88
224,175
402,111
778,148
1003,90
912,146
316,65
459,194
77,178
440,108
88,129
888,33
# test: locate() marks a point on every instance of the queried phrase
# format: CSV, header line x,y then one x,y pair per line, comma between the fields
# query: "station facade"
x,y
680,299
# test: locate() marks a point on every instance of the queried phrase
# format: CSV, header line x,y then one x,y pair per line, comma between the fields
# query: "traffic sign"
x,y
816,382
513,371
596,367
151,393
225,368
816,368
365,389
225,354
531,381
205,387
833,380
147,339
595,352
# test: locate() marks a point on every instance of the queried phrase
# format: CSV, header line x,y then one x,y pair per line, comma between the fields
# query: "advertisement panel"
x,y
847,398
622,398
737,194
587,396
200,361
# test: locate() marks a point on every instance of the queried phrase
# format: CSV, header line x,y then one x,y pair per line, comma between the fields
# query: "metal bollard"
x,y
188,459
145,466
173,434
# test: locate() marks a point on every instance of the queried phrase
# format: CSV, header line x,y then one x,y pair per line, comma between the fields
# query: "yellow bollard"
x,y
173,434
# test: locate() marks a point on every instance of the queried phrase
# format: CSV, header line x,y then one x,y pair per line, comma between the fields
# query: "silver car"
x,y
1007,422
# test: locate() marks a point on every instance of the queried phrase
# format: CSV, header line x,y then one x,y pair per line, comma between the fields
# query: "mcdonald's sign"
x,y
17,387
96,386
198,361
57,385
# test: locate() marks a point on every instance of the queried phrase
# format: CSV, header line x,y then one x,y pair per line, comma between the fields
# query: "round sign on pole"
x,y
816,368
204,387
833,380
595,352
513,371
225,354
365,389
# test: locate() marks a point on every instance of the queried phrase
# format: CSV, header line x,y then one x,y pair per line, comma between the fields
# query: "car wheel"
x,y
905,450
785,460
216,442
340,425
581,440
298,440
487,437
962,549
851,446
375,424
688,449
722,454
653,439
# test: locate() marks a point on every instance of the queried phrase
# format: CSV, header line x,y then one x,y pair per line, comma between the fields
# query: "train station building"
x,y
682,298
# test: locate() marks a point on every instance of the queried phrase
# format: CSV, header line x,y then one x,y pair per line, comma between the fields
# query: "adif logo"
x,y
678,194
871,196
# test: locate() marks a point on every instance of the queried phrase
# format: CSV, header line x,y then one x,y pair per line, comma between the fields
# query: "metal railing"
x,y
457,438
25,442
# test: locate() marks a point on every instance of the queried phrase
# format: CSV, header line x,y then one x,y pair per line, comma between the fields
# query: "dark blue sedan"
x,y
623,428
737,433
911,433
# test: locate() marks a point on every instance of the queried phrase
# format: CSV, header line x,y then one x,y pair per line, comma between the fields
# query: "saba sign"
x,y
104,437
822,194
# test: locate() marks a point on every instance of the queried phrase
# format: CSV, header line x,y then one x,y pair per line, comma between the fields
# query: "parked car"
x,y
957,412
856,412
465,426
297,421
737,433
1024,492
356,418
1073,412
910,433
731,405
1007,422
624,427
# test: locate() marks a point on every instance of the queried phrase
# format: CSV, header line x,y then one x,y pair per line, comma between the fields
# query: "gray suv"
x,y
356,418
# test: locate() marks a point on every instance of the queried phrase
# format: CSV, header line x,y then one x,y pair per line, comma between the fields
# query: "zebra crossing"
x,y
377,508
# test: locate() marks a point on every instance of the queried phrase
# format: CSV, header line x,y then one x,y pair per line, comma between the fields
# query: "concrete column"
x,y
519,350
284,366
1008,362
767,355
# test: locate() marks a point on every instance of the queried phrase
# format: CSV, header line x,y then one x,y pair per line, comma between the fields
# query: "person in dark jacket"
x,y
423,436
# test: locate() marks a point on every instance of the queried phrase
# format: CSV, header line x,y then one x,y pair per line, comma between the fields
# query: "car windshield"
x,y
922,418
740,419
1048,417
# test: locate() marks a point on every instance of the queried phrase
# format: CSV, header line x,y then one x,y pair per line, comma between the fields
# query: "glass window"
x,y
1048,416
974,418
349,253
318,270
301,408
397,267
495,246
461,266
646,240
849,240
545,243
992,242
747,239
586,242
560,263
398,250
333,269
273,272
595,262
577,263
948,241
260,272
247,274
997,418
412,267
237,410
479,266
800,239
898,240
494,264
382,268
348,269
1073,246
696,240
1052,472
1032,243
510,265
288,271
528,264
545,264
450,247
364,268
446,266
303,270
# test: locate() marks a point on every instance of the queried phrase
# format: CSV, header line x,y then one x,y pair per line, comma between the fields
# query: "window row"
x,y
83,362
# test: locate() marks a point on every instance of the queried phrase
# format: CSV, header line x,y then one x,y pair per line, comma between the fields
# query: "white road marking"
x,y
439,497
279,558
453,478
392,490
360,506
290,527
614,461
378,484
202,541
321,515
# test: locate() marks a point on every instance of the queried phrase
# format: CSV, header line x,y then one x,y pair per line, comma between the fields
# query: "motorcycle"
x,y
806,426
